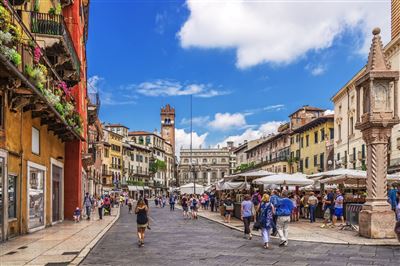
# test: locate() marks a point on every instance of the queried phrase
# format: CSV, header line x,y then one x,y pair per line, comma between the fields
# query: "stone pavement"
x,y
305,231
175,241
59,244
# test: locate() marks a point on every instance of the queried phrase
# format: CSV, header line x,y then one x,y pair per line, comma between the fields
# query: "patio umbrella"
x,y
297,179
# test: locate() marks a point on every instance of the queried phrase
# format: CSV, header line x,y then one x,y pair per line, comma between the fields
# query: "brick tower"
x,y
168,125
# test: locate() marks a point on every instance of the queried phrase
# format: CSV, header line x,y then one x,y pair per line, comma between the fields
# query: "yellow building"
x,y
112,163
312,145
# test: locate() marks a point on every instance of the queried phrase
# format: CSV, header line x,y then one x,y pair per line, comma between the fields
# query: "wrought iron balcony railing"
x,y
49,24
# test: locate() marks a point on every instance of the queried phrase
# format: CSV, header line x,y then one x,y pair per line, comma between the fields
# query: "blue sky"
x,y
248,64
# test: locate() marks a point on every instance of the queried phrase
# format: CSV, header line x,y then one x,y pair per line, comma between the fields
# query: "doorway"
x,y
57,192
36,196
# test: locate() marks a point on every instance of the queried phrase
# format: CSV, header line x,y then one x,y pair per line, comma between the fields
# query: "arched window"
x,y
140,140
148,141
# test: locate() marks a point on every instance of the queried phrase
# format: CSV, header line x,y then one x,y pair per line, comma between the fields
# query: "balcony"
x,y
116,166
53,35
93,107
33,83
106,172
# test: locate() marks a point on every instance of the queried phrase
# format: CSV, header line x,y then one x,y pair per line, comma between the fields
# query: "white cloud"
x,y
316,70
276,107
182,139
252,134
227,121
160,22
173,88
93,83
117,96
197,121
281,31
329,112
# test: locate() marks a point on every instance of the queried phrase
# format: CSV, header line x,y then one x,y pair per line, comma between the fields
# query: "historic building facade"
x,y
312,145
43,114
207,165
350,149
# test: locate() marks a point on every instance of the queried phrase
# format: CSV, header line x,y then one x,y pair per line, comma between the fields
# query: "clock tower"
x,y
168,125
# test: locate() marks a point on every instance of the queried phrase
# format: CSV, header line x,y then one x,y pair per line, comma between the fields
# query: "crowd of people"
x,y
271,212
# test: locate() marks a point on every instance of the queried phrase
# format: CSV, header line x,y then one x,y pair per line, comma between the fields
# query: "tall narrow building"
x,y
168,125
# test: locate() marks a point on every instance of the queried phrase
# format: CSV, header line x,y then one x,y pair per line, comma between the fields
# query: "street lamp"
x,y
377,92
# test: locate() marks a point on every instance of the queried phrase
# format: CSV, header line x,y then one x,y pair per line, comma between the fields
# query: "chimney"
x,y
395,12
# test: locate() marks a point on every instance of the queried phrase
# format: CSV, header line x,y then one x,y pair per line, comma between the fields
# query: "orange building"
x,y
43,113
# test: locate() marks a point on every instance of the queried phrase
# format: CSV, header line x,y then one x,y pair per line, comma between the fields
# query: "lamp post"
x,y
377,93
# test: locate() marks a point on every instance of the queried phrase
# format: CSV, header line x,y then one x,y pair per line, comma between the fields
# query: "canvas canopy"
x,y
354,180
132,188
189,189
233,186
248,175
297,179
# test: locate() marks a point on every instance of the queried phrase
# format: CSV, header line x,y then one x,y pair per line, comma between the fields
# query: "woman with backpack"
x,y
267,211
229,207
142,220
194,203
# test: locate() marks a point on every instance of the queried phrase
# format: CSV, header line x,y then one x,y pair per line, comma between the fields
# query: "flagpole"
x,y
191,144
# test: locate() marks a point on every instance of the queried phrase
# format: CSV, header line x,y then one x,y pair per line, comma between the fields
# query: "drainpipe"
x,y
21,153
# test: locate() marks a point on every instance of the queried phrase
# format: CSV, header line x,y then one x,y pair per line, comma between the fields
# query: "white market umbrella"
x,y
250,174
189,188
297,179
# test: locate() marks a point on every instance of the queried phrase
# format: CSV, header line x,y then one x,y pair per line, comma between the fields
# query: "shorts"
x,y
228,213
327,214
339,212
185,208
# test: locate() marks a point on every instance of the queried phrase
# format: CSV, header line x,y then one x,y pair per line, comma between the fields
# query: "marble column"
x,y
376,219
208,178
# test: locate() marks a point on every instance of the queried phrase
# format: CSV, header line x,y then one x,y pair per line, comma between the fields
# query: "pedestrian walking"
x,y
156,201
338,208
328,207
274,199
130,205
397,227
184,202
172,200
107,205
194,205
266,219
87,202
229,207
283,211
312,205
99,205
212,202
164,201
142,220
247,212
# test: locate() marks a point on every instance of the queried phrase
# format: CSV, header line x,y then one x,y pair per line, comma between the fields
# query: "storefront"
x,y
57,190
36,189
3,195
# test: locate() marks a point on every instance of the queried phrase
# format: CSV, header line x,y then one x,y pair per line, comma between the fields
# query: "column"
x,y
218,174
208,178
376,220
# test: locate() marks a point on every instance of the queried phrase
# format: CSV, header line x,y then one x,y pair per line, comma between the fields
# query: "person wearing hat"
x,y
267,211
283,212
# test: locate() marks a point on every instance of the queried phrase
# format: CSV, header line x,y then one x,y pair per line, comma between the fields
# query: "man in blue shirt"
x,y
274,201
392,197
283,211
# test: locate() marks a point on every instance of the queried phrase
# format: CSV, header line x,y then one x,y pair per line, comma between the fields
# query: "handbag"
x,y
229,207
256,226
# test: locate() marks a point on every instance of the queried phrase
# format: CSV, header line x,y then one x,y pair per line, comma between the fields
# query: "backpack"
x,y
255,200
